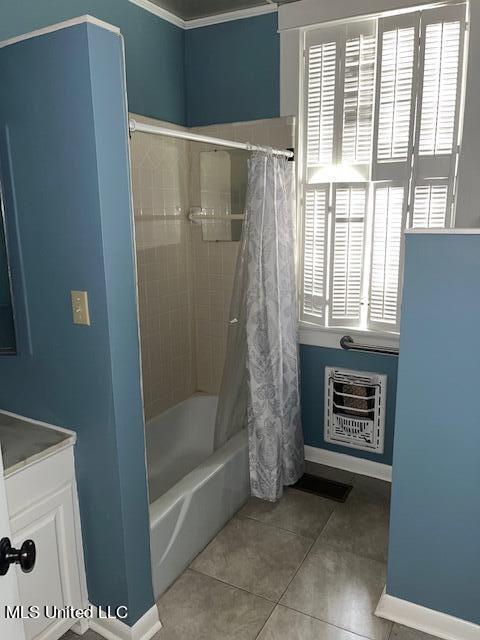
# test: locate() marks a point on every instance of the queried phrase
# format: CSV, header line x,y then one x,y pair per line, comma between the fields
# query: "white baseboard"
x,y
349,463
114,629
80,627
429,621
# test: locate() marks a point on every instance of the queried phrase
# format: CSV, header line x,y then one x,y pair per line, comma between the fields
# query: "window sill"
x,y
330,336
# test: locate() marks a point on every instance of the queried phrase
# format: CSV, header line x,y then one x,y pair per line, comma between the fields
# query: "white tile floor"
x,y
302,569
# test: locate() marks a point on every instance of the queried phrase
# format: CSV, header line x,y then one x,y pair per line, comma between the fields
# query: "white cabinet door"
x,y
50,521
11,629
54,581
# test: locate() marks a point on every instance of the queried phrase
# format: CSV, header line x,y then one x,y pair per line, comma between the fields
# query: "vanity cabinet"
x,y
43,506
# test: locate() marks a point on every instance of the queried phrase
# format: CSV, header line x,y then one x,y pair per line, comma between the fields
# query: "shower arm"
x,y
347,342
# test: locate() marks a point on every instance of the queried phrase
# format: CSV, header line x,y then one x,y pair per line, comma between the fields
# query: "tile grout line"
x,y
297,570
352,553
300,535
275,526
391,630
388,637
236,516
330,624
312,543
275,602
232,586
278,603
266,621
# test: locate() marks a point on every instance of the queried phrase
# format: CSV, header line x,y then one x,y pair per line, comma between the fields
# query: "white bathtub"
x,y
193,490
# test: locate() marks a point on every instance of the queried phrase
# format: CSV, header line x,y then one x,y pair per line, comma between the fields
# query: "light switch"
x,y
80,311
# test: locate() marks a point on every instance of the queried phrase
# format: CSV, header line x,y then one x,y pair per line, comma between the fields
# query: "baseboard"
x,y
114,629
349,463
429,621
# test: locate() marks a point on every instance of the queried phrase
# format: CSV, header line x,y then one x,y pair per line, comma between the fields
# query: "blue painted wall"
x,y
154,48
221,73
64,168
313,361
434,552
232,71
7,331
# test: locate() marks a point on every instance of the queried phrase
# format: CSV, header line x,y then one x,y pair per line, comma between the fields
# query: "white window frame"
x,y
294,21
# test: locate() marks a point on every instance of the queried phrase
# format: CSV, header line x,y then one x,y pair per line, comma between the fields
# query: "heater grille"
x,y
355,408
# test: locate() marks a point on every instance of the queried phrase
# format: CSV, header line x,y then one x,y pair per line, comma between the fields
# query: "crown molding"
x,y
241,14
196,23
168,16
58,26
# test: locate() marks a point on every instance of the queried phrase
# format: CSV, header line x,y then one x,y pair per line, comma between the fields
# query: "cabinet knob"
x,y
25,556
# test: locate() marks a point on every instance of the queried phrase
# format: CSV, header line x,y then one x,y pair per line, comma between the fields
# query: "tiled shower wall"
x,y
215,261
184,283
160,179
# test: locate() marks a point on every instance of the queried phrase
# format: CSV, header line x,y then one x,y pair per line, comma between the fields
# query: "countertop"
x,y
24,442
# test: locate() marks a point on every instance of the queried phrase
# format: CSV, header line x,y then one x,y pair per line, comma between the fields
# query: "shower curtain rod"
x,y
219,142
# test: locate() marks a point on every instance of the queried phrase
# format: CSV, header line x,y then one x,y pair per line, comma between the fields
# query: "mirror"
x,y
7,328
223,185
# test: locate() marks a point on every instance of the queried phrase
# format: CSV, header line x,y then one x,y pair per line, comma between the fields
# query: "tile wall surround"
x,y
184,283
160,178
215,261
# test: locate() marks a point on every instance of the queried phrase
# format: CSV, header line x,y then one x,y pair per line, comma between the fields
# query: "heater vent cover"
x,y
355,408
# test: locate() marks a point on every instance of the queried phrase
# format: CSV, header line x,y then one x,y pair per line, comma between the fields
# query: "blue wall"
x,y
7,331
154,48
313,361
434,552
222,73
232,71
64,167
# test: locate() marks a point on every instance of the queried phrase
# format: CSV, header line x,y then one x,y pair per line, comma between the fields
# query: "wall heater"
x,y
355,408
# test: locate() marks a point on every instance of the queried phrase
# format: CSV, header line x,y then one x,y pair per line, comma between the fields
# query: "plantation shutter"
x,y
389,217
359,56
441,62
431,207
382,112
350,204
321,89
316,202
438,107
395,96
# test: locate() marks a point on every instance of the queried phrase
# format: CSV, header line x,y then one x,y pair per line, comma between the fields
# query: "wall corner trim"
x,y
114,629
429,621
343,461
86,19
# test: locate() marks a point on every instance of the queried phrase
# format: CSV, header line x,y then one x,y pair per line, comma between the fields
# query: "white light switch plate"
x,y
80,312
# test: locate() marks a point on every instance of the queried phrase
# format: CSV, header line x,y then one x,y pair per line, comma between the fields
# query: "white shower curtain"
x,y
261,370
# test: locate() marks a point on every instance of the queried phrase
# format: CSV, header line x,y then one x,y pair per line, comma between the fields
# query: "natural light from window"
x,y
382,102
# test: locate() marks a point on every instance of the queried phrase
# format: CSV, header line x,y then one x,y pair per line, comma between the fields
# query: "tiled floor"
x,y
305,568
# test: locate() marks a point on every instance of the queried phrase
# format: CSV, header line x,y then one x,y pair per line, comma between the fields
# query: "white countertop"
x,y
24,441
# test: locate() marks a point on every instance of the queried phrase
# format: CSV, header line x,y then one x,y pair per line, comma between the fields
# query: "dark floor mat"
x,y
323,487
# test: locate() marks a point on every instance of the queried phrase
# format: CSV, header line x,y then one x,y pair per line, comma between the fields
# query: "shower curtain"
x,y
260,381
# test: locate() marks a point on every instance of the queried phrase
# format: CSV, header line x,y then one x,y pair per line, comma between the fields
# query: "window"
x,y
381,120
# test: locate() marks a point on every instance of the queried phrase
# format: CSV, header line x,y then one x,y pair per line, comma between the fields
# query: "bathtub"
x,y
193,490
